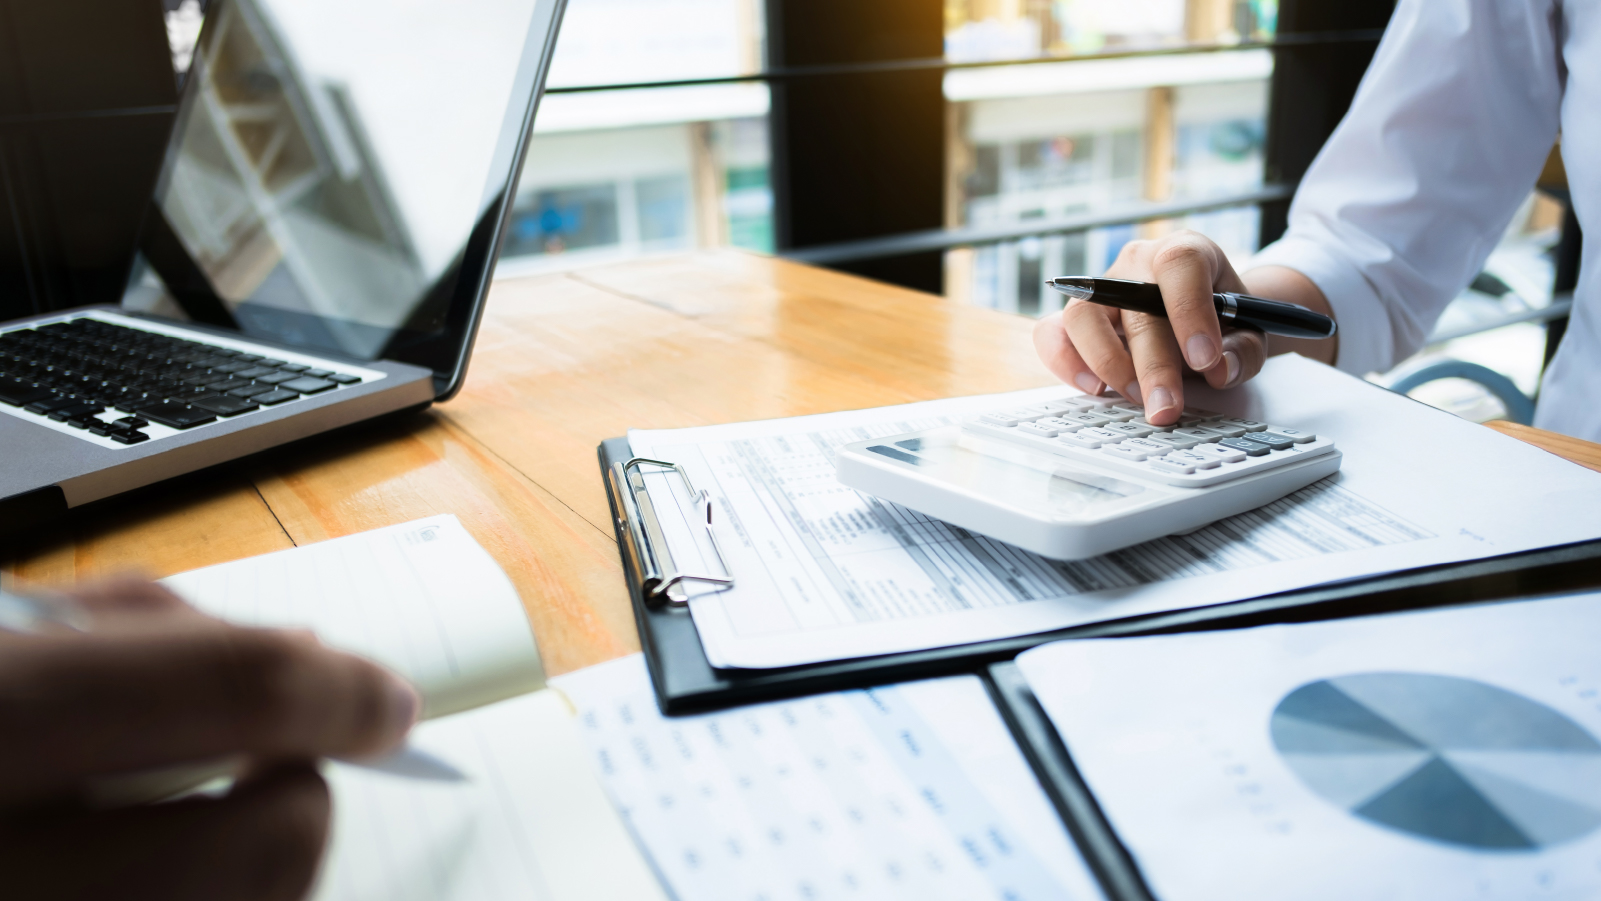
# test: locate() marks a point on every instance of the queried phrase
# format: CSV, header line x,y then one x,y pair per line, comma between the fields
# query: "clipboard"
x,y
686,682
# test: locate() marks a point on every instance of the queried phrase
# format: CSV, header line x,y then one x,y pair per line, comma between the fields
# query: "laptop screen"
x,y
341,169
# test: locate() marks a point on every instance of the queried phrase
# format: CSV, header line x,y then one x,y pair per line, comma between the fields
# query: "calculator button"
x,y
1059,424
1129,429
1077,404
1222,430
1199,414
1128,451
1167,464
1247,447
1149,446
1191,458
1039,429
1122,413
1173,441
1005,418
1091,437
1087,418
1277,442
1250,425
1296,435
1198,435
1220,453
1132,409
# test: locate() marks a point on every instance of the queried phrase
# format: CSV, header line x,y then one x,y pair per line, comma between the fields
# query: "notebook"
x,y
528,820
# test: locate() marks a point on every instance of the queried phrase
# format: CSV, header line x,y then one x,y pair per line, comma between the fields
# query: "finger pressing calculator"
x,y
1081,476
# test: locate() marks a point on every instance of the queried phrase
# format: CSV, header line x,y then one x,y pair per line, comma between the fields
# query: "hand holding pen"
x,y
124,678
1119,339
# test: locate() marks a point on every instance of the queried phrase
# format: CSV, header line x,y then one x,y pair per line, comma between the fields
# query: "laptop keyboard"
x,y
113,381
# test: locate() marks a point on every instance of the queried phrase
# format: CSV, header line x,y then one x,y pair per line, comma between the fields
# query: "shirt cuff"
x,y
1367,340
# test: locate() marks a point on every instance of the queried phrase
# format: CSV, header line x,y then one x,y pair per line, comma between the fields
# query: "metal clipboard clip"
x,y
647,546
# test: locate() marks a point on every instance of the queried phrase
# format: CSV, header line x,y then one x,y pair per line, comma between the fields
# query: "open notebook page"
x,y
529,823
422,598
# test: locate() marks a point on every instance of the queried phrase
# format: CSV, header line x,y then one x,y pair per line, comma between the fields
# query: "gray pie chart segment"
x,y
1564,774
1545,818
1449,713
1436,802
1352,780
1443,758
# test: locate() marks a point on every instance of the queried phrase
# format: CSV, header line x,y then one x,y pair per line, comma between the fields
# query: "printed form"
x,y
912,791
824,572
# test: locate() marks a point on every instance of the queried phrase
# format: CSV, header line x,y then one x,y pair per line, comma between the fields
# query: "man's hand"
x,y
1146,358
157,684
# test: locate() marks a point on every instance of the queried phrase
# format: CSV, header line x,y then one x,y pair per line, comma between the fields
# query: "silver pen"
x,y
41,614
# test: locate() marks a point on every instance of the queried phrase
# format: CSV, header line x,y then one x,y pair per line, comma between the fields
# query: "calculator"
x,y
1081,475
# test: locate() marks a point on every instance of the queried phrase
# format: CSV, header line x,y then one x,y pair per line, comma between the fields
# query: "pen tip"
x,y
1076,287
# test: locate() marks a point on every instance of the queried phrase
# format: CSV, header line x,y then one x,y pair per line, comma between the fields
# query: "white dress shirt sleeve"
x,y
1444,140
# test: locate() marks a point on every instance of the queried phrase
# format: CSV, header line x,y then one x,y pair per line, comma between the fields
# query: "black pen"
x,y
1272,316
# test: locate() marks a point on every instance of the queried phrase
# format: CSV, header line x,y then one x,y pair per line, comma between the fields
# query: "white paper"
x,y
1222,793
531,823
422,598
911,791
824,572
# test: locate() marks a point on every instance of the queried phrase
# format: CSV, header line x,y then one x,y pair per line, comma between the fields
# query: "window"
x,y
615,172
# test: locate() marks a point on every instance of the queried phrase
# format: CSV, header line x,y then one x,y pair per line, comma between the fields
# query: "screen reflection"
x,y
335,155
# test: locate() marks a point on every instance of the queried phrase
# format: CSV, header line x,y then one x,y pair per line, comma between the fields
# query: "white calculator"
x,y
1081,476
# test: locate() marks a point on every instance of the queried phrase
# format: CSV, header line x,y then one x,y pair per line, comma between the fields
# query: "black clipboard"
x,y
685,682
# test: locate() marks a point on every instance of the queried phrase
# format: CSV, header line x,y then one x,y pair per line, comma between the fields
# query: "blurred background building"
x,y
659,135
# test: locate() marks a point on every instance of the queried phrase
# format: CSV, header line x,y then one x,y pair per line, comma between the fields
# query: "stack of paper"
x,y
824,572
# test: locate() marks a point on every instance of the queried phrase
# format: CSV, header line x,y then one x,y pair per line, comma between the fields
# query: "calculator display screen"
x,y
1015,476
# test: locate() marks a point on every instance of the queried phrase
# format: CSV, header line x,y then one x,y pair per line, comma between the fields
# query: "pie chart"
x,y
1443,759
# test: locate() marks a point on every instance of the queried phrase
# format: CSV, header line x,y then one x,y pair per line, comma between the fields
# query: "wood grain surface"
x,y
562,363
1584,453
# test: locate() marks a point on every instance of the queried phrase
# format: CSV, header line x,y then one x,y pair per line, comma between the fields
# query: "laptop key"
x,y
274,397
76,411
344,379
255,372
305,385
129,437
224,405
317,373
131,422
277,378
50,404
176,415
251,390
21,394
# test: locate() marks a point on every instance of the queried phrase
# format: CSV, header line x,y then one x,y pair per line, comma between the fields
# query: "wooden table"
x,y
562,362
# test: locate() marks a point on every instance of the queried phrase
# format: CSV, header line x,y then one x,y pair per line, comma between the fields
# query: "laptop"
x,y
319,246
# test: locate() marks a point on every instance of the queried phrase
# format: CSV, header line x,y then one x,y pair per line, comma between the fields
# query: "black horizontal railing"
x,y
967,236
1281,42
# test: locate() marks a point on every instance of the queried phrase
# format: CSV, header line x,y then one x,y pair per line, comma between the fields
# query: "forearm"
x,y
1290,286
